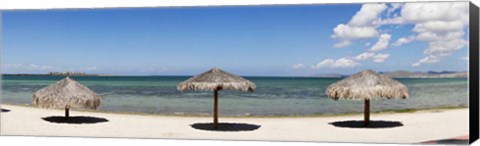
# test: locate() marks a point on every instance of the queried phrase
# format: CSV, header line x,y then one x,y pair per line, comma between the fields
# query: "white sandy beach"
x,y
417,126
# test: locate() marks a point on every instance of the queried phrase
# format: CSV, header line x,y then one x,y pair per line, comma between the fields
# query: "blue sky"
x,y
295,40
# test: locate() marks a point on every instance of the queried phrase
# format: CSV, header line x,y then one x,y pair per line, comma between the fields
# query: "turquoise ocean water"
x,y
275,96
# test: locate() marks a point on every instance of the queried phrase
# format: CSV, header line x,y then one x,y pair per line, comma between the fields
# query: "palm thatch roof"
x,y
215,79
66,93
367,84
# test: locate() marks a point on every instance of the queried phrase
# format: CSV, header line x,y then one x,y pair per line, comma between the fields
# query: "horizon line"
x,y
312,75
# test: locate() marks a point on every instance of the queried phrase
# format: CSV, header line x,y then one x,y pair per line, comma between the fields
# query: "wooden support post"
x,y
66,113
215,110
366,120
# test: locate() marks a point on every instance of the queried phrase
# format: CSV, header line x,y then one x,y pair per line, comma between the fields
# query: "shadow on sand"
x,y
449,142
74,120
232,127
373,124
5,110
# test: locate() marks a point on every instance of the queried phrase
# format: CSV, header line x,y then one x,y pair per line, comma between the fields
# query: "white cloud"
x,y
364,56
466,58
380,58
435,11
342,44
367,14
440,24
360,26
404,40
433,36
346,32
298,66
377,57
444,48
441,45
428,59
339,63
382,42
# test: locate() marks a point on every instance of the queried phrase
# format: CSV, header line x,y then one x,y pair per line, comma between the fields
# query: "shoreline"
x,y
256,116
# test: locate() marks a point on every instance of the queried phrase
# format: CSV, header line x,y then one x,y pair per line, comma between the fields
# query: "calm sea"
x,y
275,96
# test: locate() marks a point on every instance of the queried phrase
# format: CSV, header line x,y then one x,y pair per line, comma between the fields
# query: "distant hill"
x,y
442,72
429,74
408,74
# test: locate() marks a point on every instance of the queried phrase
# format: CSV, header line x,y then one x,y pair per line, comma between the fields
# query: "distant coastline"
x,y
56,75
392,74
409,74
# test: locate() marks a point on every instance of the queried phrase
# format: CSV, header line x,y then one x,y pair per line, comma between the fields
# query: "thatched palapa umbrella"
x,y
367,85
65,94
216,80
